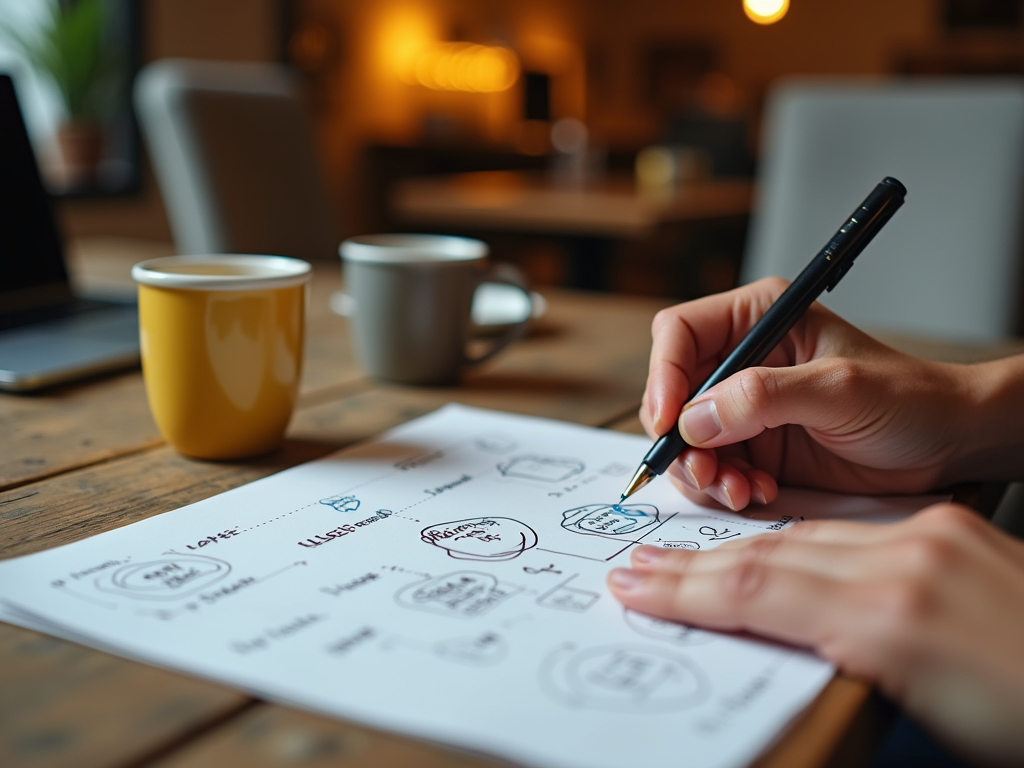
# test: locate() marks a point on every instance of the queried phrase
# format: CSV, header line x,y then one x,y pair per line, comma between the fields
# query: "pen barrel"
x,y
665,450
823,273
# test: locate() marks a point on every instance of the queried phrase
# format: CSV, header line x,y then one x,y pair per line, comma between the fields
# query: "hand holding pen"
x,y
745,336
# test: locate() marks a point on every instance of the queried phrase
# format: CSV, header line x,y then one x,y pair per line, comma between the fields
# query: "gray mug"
x,y
411,297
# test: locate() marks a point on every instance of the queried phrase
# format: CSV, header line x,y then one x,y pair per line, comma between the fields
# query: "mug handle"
x,y
509,275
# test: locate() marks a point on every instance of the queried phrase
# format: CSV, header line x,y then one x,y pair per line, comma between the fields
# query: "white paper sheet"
x,y
446,581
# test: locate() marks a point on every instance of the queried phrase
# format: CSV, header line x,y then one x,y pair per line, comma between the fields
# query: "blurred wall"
x,y
829,37
597,52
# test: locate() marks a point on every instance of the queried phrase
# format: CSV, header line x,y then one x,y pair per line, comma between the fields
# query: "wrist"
x,y
992,423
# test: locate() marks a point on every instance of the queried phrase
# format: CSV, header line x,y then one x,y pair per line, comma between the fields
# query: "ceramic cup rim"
x,y
267,272
412,249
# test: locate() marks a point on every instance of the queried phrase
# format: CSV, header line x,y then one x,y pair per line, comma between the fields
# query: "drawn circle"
x,y
463,594
166,579
634,678
609,519
670,631
481,538
679,544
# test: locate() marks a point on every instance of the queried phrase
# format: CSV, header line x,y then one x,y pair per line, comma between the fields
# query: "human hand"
x,y
830,407
928,609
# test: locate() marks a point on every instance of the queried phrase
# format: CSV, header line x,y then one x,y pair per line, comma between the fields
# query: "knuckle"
x,y
758,549
903,606
755,385
926,556
742,584
846,375
952,519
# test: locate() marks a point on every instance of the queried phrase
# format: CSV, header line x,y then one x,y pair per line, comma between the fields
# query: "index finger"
x,y
691,339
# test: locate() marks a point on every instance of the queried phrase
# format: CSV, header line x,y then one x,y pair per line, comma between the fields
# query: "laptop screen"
x,y
32,272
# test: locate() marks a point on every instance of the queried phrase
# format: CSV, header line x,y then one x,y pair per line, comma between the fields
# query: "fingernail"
x,y
720,493
730,503
689,477
757,494
648,554
625,579
701,422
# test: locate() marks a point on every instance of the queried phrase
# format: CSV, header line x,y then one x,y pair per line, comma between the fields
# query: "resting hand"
x,y
928,609
830,408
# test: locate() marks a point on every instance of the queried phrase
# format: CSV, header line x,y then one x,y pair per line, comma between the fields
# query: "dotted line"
x,y
413,519
275,519
447,450
416,504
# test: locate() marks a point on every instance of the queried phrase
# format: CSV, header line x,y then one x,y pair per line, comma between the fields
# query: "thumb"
x,y
755,399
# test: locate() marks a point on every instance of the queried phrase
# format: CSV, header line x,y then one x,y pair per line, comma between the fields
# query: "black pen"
x,y
823,273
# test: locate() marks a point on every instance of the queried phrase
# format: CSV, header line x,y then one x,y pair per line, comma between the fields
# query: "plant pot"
x,y
81,148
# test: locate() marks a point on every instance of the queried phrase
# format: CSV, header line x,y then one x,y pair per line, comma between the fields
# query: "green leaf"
x,y
69,48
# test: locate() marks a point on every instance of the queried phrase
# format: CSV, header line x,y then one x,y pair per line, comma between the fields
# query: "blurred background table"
x,y
588,214
86,458
611,206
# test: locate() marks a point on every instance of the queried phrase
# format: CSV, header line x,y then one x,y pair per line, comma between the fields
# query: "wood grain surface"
x,y
86,458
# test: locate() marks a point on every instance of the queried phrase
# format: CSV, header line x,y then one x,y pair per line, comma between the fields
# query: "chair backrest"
x,y
948,263
234,158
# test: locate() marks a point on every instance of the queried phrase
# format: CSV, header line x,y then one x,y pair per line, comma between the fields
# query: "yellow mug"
x,y
222,344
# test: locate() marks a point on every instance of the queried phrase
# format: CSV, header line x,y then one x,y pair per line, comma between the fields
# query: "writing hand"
x,y
830,408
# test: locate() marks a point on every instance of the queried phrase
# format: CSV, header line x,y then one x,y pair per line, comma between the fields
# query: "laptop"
x,y
48,335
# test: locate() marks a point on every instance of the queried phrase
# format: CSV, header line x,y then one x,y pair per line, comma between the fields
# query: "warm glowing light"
x,y
403,33
464,67
765,11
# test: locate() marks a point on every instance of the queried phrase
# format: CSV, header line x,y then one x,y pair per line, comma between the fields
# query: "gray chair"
x,y
948,264
234,159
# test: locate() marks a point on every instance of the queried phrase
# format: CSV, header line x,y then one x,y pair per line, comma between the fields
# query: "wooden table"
x,y
86,458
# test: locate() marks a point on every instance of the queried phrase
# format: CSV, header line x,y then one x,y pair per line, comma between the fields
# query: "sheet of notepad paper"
x,y
446,581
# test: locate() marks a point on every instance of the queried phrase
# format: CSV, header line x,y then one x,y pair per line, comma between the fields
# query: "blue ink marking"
x,y
341,503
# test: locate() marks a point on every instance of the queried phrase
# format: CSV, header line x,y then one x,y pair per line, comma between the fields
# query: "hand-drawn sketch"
x,y
463,594
481,538
607,530
609,519
677,544
661,629
623,678
495,444
543,468
169,578
566,598
341,503
481,650
537,571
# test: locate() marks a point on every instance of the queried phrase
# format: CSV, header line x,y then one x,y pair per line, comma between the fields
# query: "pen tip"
x,y
642,477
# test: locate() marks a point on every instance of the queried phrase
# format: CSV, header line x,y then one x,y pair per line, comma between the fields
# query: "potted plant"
x,y
68,48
